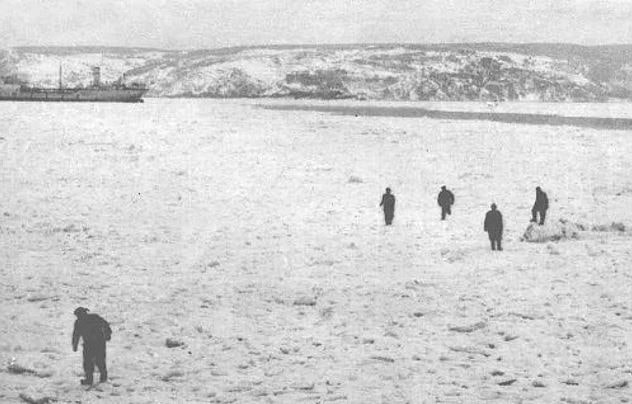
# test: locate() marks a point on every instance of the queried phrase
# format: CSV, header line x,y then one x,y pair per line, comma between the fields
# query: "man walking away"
x,y
95,331
540,206
494,227
388,202
445,200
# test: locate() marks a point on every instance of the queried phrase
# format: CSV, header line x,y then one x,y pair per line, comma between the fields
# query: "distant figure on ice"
x,y
445,200
494,227
95,331
388,202
540,206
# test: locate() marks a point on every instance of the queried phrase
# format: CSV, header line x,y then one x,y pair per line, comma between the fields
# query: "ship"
x,y
13,89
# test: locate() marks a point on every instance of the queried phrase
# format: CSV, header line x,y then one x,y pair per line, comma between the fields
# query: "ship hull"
x,y
73,95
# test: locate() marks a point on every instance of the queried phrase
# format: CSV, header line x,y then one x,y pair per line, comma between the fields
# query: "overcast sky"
x,y
186,24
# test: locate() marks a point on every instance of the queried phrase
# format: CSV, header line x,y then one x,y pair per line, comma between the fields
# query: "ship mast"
x,y
60,83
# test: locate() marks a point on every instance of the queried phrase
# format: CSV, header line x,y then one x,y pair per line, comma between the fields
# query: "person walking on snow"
x,y
94,331
388,203
540,206
494,227
445,200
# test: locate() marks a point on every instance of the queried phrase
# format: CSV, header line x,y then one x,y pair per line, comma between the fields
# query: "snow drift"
x,y
556,231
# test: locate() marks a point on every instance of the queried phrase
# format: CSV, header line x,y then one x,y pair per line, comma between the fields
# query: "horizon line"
x,y
324,44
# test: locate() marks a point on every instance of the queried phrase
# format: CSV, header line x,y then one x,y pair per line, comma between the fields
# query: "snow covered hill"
x,y
459,72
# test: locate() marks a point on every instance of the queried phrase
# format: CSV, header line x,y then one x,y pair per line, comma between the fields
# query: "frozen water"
x,y
206,221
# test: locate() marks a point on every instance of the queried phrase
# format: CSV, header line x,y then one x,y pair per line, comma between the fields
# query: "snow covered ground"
x,y
254,237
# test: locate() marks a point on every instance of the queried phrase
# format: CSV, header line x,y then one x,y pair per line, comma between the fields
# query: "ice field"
x,y
249,231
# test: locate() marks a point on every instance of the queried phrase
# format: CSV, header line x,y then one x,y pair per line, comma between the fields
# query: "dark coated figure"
x,y
445,200
95,331
540,206
494,227
388,202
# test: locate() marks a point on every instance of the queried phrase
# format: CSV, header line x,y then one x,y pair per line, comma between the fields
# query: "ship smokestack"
x,y
96,76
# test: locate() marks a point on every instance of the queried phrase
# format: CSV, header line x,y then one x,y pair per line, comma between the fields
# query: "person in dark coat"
x,y
388,202
445,200
540,206
494,227
95,331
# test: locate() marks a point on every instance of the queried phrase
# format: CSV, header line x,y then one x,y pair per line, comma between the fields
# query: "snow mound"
x,y
612,227
555,231
452,255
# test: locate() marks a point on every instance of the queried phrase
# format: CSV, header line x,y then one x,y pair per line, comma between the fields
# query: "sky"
x,y
196,24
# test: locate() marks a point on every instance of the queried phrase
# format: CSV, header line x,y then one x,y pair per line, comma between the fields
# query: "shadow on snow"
x,y
413,112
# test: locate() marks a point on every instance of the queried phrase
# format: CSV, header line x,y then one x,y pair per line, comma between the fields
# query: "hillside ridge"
x,y
406,71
